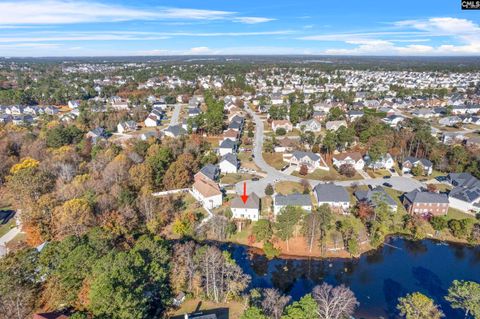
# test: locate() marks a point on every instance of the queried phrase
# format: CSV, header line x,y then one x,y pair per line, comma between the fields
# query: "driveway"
x,y
403,184
176,114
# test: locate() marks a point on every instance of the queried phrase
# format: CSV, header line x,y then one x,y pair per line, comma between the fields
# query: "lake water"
x,y
377,278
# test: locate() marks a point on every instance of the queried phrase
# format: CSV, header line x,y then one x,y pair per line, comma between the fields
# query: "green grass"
x,y
331,175
454,213
378,173
287,187
4,228
274,159
235,178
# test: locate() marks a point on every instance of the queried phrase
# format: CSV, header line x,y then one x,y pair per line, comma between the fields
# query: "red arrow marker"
x,y
244,196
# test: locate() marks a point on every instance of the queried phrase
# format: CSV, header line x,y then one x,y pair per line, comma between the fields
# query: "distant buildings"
x,y
311,161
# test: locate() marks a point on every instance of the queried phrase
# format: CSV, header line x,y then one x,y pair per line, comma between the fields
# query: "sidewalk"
x,y
5,239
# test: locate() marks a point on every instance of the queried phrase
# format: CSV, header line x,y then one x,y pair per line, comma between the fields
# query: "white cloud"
x,y
253,20
462,33
49,12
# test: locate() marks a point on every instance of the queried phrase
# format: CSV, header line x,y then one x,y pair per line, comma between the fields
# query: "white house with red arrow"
x,y
246,207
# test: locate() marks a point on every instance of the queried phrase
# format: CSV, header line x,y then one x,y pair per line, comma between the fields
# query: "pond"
x,y
377,278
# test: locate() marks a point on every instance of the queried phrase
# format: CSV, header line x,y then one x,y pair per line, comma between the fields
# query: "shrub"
x,y
280,131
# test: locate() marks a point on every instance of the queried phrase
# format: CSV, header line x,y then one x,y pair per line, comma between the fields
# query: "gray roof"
x,y
210,170
235,125
372,196
467,187
293,200
231,158
252,202
418,196
176,130
227,143
425,162
331,193
299,155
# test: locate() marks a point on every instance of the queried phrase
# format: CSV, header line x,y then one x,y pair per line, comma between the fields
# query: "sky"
x,y
34,28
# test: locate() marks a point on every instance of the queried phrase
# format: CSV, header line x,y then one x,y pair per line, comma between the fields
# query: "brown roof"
x,y
206,186
281,122
230,133
354,155
252,202
287,142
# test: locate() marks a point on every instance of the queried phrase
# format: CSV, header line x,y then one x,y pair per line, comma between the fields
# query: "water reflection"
x,y
378,279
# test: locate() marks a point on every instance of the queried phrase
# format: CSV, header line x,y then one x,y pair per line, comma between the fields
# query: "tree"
x,y
439,223
262,230
18,284
326,218
305,308
280,131
74,217
269,190
286,222
253,313
131,284
273,303
270,250
303,170
311,227
347,169
418,306
334,302
418,170
180,173
465,295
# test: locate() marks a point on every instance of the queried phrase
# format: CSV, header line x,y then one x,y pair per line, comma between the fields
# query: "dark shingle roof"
x,y
372,196
417,196
299,155
231,158
331,193
252,202
210,170
293,200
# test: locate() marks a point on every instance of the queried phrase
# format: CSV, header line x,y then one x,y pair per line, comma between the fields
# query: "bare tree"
x,y
334,302
274,302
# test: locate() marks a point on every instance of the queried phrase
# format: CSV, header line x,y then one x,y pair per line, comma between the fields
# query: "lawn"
x,y
378,173
458,214
274,159
331,175
288,187
242,236
235,178
266,203
4,228
229,310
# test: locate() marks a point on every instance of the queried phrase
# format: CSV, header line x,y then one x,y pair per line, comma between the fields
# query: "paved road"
x,y
176,114
273,175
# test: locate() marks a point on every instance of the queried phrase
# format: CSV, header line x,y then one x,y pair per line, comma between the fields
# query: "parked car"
x,y
387,185
386,177
255,179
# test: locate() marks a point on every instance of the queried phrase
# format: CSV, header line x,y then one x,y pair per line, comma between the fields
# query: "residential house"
x,y
206,191
393,120
248,210
311,125
424,113
125,127
51,110
230,135
410,162
151,121
375,196
285,124
335,125
227,146
285,145
276,98
210,171
465,194
229,164
451,138
311,161
297,200
449,120
174,131
384,162
333,195
96,134
73,104
350,158
425,203
354,114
